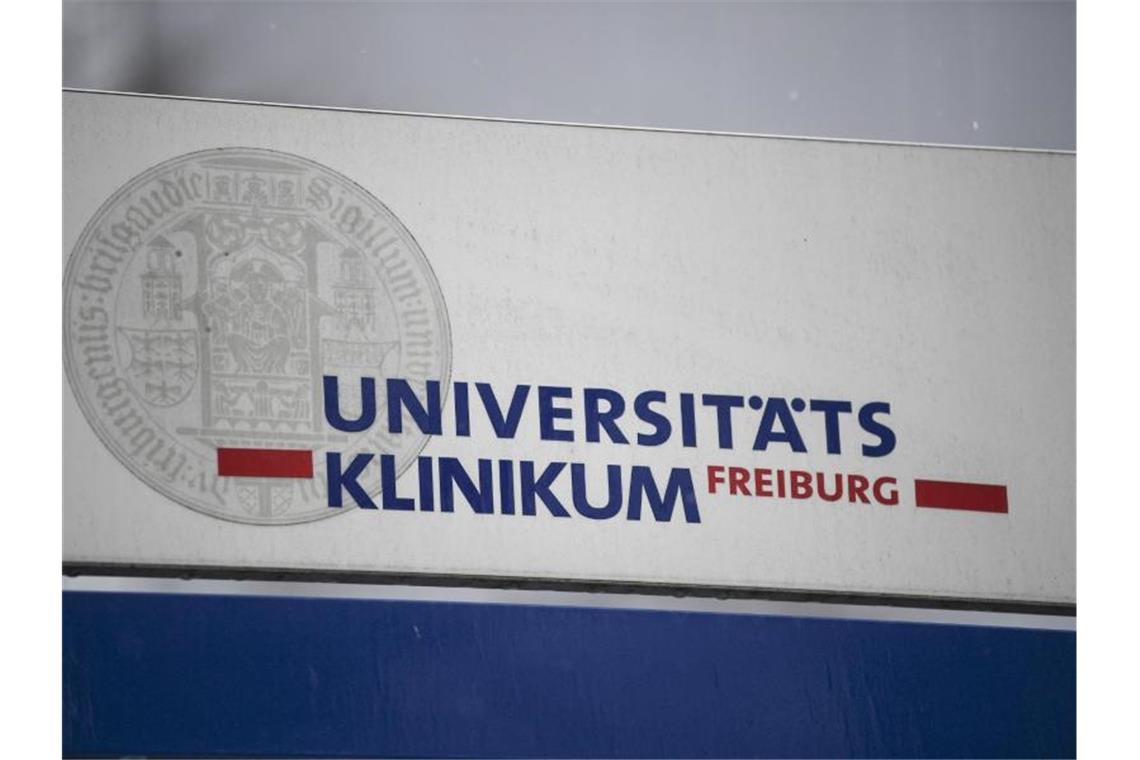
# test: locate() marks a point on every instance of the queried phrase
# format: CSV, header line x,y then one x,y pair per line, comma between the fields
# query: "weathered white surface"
x,y
940,280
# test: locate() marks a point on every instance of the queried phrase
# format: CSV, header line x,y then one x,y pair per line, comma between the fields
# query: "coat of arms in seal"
x,y
206,300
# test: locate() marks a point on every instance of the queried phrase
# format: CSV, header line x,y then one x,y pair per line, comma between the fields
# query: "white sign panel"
x,y
341,342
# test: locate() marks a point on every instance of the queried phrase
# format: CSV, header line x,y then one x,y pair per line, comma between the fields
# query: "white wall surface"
x,y
940,280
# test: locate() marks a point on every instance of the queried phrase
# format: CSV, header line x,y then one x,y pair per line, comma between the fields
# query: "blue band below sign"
x,y
224,676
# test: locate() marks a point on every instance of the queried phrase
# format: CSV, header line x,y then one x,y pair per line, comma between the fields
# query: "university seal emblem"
x,y
206,300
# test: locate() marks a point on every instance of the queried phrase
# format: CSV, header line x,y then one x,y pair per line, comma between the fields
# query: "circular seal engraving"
x,y
206,300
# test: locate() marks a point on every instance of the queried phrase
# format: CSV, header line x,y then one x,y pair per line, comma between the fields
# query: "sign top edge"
x,y
551,123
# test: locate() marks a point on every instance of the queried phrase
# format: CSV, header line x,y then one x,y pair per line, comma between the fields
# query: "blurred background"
x,y
966,73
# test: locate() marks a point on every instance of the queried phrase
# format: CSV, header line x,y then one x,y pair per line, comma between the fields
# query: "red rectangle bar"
x,y
265,463
972,497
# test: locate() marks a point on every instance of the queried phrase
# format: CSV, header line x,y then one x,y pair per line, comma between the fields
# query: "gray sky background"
x,y
971,73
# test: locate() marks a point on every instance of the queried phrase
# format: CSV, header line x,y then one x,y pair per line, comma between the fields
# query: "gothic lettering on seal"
x,y
205,301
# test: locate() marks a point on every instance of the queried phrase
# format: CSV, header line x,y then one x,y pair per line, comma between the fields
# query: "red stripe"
x,y
973,497
265,463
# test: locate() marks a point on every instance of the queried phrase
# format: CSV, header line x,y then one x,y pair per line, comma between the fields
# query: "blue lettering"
x,y
346,480
429,418
582,503
661,426
724,406
389,499
548,413
367,405
530,488
505,425
776,410
831,411
596,419
452,474
885,435
642,484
